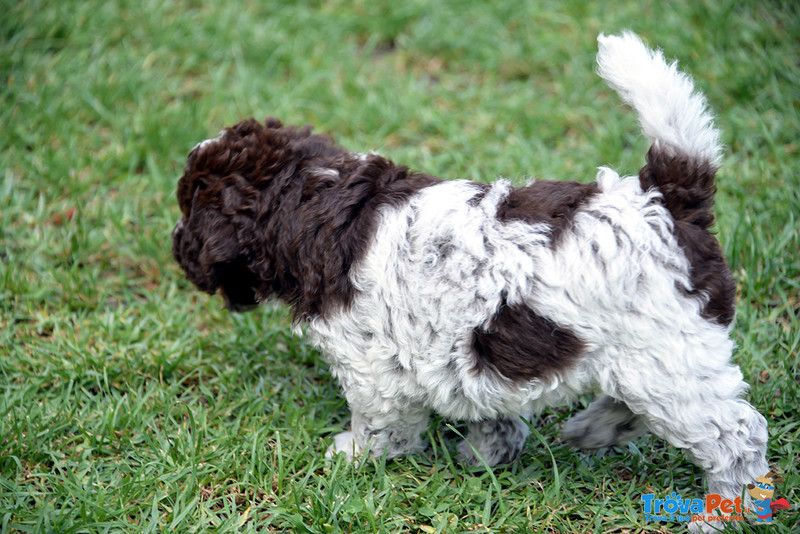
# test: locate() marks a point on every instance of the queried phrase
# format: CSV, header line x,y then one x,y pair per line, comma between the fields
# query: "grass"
x,y
129,402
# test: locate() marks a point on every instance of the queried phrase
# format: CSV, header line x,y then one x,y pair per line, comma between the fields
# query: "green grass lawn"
x,y
129,402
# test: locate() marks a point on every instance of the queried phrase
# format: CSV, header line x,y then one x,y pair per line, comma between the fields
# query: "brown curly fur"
x,y
263,215
687,186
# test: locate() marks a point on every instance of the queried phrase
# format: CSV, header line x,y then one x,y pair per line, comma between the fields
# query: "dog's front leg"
x,y
494,442
390,427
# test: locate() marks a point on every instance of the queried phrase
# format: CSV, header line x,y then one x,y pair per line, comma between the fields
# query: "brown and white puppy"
x,y
485,302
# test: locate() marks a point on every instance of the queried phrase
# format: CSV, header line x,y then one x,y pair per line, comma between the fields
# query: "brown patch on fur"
x,y
688,189
522,345
551,203
284,209
482,189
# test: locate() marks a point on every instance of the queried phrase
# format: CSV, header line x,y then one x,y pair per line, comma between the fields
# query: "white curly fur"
x,y
672,114
616,279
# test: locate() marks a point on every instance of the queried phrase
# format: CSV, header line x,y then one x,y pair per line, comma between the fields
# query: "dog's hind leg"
x,y
498,441
605,423
687,392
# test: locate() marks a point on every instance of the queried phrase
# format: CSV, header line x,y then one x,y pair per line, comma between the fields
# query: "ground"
x,y
129,402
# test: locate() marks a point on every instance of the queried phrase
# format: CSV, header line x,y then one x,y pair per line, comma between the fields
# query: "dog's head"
x,y
217,195
275,210
241,198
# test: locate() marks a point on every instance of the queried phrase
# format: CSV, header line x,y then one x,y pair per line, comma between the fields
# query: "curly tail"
x,y
686,151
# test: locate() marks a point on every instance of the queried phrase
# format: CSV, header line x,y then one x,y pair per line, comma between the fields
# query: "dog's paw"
x,y
479,458
605,423
493,442
344,443
468,455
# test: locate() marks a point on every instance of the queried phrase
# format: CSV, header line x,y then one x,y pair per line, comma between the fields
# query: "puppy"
x,y
484,302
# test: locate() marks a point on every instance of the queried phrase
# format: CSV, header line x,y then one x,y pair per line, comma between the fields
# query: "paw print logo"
x,y
762,493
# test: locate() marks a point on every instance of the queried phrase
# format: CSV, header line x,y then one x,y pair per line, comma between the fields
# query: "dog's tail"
x,y
686,150
682,161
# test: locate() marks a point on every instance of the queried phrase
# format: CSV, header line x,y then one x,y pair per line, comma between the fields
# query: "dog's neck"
x,y
321,221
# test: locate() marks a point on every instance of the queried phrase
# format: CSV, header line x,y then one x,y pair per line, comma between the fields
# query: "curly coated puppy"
x,y
486,302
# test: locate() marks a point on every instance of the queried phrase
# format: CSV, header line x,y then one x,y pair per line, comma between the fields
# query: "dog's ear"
x,y
751,486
